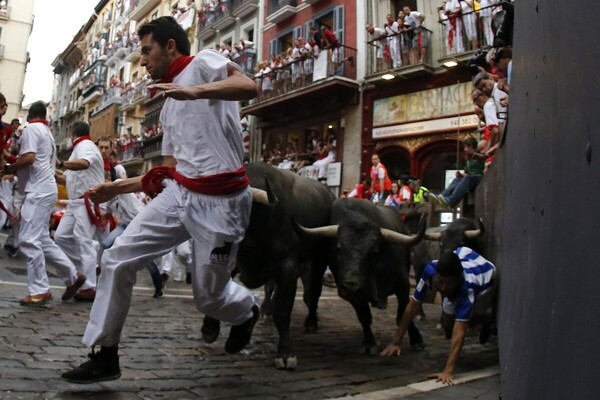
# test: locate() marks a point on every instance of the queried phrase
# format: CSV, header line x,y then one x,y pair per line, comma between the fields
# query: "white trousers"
x,y
75,236
217,225
37,247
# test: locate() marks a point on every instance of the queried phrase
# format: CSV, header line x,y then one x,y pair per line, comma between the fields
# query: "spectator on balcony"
x,y
392,31
405,38
317,37
488,8
308,57
333,45
297,73
378,39
469,19
413,20
454,41
329,156
265,79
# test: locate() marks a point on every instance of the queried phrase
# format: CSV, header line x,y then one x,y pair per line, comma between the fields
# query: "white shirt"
x,y
120,170
490,113
498,95
38,177
413,19
80,181
204,136
125,207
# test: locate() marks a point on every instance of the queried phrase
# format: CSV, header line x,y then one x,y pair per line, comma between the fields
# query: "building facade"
x,y
16,23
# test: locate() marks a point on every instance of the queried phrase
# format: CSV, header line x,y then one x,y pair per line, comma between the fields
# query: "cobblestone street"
x,y
164,357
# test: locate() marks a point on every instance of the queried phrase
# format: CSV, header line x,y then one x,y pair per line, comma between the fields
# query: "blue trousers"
x,y
460,186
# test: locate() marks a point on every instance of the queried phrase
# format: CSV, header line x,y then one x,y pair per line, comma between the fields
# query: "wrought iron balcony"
x,y
466,33
403,54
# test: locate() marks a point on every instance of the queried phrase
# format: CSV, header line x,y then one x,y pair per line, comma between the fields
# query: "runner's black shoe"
x,y
102,366
239,335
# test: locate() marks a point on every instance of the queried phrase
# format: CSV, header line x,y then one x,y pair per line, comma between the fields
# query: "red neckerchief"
x,y
43,121
81,139
106,164
175,69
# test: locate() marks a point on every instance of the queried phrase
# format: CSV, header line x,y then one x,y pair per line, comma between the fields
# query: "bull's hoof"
x,y
210,330
370,349
418,347
286,362
310,329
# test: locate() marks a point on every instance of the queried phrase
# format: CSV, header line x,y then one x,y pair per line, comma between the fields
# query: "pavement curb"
x,y
424,386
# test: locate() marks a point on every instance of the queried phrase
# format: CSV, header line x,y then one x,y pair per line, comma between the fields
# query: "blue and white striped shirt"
x,y
478,275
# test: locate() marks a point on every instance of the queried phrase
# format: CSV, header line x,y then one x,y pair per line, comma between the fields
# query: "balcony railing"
x,y
468,32
209,15
241,8
403,50
141,8
340,62
246,60
280,10
111,95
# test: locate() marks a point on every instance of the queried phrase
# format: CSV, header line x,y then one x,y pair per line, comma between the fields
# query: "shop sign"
x,y
436,125
427,104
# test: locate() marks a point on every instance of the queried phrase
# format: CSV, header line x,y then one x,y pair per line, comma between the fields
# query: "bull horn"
x,y
433,235
394,237
328,231
260,196
266,197
475,233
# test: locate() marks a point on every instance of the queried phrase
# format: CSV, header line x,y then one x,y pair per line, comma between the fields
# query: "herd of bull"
x,y
297,229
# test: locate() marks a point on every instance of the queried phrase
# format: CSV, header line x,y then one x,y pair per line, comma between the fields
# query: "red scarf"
x,y
34,120
80,139
106,164
175,69
213,185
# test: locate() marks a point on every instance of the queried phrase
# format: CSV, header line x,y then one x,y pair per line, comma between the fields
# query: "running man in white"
x,y
35,171
78,228
204,195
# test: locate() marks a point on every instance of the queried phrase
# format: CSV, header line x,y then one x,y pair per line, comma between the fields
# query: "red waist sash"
x,y
214,185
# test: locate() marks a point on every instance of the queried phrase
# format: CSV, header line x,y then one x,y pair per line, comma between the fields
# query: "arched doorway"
x,y
434,159
396,160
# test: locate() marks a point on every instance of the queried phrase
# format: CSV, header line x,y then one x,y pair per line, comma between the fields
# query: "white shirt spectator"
x,y
413,19
490,113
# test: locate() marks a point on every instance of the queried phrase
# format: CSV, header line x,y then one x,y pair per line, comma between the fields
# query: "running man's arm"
x,y
236,87
408,315
106,191
25,160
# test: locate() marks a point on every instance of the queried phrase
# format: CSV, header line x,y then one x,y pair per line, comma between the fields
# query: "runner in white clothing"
x,y
35,171
205,196
78,228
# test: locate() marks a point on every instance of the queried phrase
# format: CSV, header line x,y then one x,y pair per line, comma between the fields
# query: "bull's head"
x,y
361,255
459,233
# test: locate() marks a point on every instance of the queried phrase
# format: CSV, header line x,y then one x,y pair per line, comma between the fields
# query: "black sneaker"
x,y
239,335
102,366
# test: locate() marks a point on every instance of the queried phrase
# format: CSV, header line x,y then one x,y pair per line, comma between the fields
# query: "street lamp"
x,y
388,77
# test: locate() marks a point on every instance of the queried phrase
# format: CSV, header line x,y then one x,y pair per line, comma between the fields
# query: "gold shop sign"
x,y
424,105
